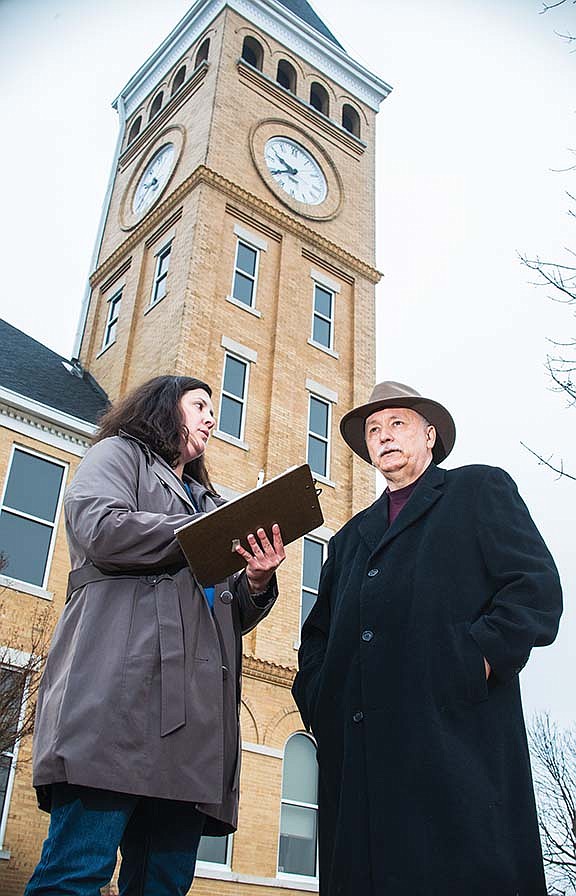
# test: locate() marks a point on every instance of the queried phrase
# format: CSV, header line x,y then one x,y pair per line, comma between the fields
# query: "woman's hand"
x,y
264,560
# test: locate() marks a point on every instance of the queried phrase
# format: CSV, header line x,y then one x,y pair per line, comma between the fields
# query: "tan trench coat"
x,y
141,689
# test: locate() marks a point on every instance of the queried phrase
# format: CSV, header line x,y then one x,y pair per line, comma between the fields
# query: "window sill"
x,y
25,587
287,882
239,304
319,478
154,304
323,348
232,440
5,854
105,349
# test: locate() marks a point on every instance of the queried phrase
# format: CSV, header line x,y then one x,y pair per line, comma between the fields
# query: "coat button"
x,y
226,597
373,572
367,635
358,716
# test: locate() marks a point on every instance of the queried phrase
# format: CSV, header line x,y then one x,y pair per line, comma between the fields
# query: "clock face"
x,y
154,178
295,170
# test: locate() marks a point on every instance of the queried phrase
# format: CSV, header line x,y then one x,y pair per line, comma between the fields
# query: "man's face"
x,y
399,442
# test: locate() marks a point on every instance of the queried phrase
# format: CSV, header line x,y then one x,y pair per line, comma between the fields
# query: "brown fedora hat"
x,y
396,395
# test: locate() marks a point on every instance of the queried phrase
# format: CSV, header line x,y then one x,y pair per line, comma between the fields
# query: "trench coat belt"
x,y
172,666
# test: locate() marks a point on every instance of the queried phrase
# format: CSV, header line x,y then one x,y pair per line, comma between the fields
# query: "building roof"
x,y
304,11
35,371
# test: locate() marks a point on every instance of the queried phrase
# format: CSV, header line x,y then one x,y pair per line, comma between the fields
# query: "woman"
x,y
137,738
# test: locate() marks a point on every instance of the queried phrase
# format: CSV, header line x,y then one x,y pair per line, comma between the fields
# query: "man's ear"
x,y
431,436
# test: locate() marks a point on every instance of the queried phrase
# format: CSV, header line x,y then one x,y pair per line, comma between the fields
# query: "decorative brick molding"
x,y
263,670
286,222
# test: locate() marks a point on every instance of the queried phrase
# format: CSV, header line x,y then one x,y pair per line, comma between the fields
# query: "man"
x,y
429,604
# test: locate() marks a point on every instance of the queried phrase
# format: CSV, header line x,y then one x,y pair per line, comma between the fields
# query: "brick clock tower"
x,y
237,245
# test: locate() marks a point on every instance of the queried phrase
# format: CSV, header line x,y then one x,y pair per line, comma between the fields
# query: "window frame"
x,y
314,395
218,866
240,240
113,302
160,255
287,875
324,545
16,661
54,524
244,400
320,316
201,53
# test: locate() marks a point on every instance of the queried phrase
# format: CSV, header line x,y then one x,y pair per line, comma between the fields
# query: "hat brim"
x,y
352,424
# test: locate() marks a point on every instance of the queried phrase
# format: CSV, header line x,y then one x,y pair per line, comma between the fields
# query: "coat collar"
x,y
425,495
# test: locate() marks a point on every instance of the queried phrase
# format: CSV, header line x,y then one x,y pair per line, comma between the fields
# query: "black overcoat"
x,y
424,775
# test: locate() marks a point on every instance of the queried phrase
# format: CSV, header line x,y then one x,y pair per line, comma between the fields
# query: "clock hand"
x,y
289,171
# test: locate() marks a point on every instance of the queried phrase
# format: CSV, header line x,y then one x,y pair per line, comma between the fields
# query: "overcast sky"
x,y
482,111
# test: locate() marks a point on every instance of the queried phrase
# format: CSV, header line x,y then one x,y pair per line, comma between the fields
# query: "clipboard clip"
x,y
319,489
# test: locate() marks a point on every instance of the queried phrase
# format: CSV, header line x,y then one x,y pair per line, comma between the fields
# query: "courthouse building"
x,y
236,244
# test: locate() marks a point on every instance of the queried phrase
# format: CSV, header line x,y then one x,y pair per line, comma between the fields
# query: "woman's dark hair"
x,y
151,413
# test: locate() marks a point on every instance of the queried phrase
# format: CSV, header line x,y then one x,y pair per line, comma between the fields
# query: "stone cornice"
x,y
319,122
263,670
282,220
44,423
273,19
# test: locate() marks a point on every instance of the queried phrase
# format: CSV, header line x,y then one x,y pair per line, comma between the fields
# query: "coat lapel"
x,y
374,525
173,481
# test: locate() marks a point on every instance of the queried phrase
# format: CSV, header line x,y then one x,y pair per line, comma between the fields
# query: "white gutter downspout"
x,y
121,110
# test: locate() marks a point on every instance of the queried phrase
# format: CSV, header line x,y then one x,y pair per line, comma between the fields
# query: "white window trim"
x,y
253,277
284,875
329,320
110,320
322,391
159,255
14,659
235,440
323,348
242,351
247,236
324,545
223,866
38,590
323,477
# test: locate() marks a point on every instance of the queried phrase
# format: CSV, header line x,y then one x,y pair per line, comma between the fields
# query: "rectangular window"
x,y
231,418
12,683
312,560
112,319
28,515
245,274
161,274
319,436
215,851
322,317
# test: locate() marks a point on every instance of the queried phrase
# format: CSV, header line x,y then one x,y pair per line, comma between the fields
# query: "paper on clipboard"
x,y
289,499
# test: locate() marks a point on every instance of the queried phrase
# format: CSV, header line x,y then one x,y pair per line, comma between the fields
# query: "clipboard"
x,y
289,499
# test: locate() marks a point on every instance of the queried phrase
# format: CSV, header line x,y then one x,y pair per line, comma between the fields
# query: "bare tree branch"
x,y
554,767
21,661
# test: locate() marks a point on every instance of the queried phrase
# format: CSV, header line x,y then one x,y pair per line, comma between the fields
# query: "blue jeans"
x,y
158,840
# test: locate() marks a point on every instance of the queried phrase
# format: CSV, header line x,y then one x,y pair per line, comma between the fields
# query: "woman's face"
x,y
198,417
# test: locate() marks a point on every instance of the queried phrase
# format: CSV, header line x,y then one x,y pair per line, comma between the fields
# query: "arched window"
x,y
252,52
178,80
319,97
135,129
286,75
156,105
298,820
202,53
351,120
